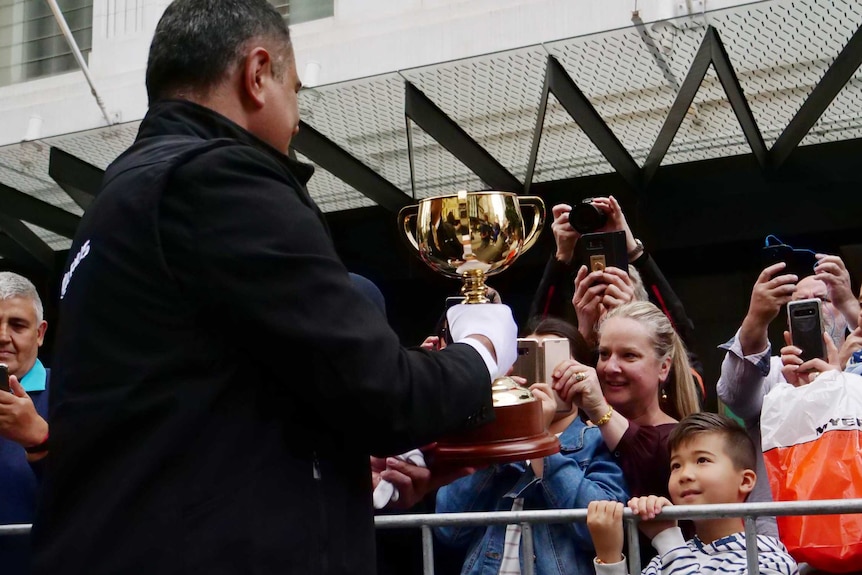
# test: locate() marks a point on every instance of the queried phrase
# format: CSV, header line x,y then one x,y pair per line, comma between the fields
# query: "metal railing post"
x,y
630,523
527,551
751,546
427,550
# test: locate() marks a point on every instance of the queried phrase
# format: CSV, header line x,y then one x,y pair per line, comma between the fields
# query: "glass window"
x,y
31,44
299,11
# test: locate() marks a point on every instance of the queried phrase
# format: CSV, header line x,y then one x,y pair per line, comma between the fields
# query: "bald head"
x,y
834,322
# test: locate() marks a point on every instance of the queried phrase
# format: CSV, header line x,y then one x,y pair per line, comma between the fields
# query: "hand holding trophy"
x,y
471,235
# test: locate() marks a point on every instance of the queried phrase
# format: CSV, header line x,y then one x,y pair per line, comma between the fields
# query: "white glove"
x,y
493,321
385,491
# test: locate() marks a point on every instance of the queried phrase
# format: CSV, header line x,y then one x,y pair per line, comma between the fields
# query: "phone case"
x,y
4,378
555,351
528,363
604,249
806,328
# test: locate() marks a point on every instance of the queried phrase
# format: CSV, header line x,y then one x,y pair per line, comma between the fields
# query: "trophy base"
x,y
517,433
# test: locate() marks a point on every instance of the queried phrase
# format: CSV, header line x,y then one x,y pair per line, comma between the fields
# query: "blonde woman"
x,y
625,396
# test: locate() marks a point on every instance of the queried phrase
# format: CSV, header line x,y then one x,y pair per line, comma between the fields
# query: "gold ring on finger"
x,y
580,376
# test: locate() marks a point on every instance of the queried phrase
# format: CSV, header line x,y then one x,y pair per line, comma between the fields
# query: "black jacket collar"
x,y
181,117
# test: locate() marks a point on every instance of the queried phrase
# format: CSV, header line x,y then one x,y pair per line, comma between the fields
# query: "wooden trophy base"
x,y
517,433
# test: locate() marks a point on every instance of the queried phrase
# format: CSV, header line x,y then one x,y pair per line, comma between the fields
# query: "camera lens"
x,y
586,218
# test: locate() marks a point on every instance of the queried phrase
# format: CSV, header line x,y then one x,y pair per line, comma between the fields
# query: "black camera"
x,y
586,218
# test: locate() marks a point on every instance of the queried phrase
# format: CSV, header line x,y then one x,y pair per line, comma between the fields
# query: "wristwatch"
x,y
635,253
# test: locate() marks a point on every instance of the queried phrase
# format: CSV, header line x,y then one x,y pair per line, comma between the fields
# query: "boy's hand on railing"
x,y
647,508
605,522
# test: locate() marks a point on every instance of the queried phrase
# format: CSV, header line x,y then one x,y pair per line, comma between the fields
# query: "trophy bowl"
x,y
468,236
471,235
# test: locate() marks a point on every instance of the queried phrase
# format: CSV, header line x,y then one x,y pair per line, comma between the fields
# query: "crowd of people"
x,y
226,398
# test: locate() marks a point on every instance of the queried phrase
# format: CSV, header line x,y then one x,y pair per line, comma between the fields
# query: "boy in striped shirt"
x,y
712,461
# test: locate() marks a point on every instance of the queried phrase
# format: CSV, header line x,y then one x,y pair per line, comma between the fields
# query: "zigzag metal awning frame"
x,y
563,87
711,52
79,178
434,121
346,167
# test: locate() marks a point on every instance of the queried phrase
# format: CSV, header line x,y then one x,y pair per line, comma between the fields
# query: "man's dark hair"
x,y
737,444
197,41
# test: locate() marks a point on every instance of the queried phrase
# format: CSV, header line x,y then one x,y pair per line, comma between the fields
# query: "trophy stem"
x,y
473,287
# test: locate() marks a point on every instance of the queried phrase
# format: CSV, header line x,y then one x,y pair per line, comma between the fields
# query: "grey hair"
x,y
14,285
638,283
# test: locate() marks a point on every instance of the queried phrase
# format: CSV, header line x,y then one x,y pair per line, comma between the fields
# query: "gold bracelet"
x,y
605,418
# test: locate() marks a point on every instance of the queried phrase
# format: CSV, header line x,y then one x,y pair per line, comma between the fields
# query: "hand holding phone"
x,y
799,262
604,249
537,359
806,328
556,351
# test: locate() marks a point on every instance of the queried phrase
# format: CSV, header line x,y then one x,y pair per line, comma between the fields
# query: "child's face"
x,y
701,472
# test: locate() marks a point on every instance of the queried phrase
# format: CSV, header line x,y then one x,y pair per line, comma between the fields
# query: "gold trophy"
x,y
471,235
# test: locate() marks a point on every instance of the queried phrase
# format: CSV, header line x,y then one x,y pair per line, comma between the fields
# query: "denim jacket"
x,y
583,471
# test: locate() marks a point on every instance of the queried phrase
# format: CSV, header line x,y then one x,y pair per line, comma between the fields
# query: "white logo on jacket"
x,y
79,257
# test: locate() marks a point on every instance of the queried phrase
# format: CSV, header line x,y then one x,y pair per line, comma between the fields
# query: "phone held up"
x,y
4,378
799,262
537,360
806,328
443,328
603,249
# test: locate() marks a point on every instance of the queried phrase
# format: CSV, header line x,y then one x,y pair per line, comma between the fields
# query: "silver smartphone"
x,y
528,365
556,350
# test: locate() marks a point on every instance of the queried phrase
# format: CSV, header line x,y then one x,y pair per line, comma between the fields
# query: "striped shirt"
x,y
725,556
511,563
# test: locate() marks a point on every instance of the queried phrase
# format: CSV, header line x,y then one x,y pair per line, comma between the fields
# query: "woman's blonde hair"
x,y
666,343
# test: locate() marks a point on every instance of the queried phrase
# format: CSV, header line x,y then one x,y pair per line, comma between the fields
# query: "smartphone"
x,y
4,377
604,249
555,351
443,325
529,363
798,262
806,328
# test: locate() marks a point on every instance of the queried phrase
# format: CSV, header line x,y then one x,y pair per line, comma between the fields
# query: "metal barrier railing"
x,y
747,511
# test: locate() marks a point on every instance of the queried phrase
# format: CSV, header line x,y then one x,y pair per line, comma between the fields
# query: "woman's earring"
x,y
663,394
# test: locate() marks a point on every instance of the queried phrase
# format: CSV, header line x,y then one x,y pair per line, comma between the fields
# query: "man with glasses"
x,y
750,370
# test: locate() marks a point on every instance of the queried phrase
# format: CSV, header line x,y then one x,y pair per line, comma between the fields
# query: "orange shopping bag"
x,y
813,450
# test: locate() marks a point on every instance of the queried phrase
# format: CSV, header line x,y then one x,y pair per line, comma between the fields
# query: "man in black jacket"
x,y
219,384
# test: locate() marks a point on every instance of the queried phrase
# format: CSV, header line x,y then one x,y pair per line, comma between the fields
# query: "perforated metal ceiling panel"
x,y
494,98
781,50
842,120
331,194
629,88
438,171
366,118
778,50
562,142
710,128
